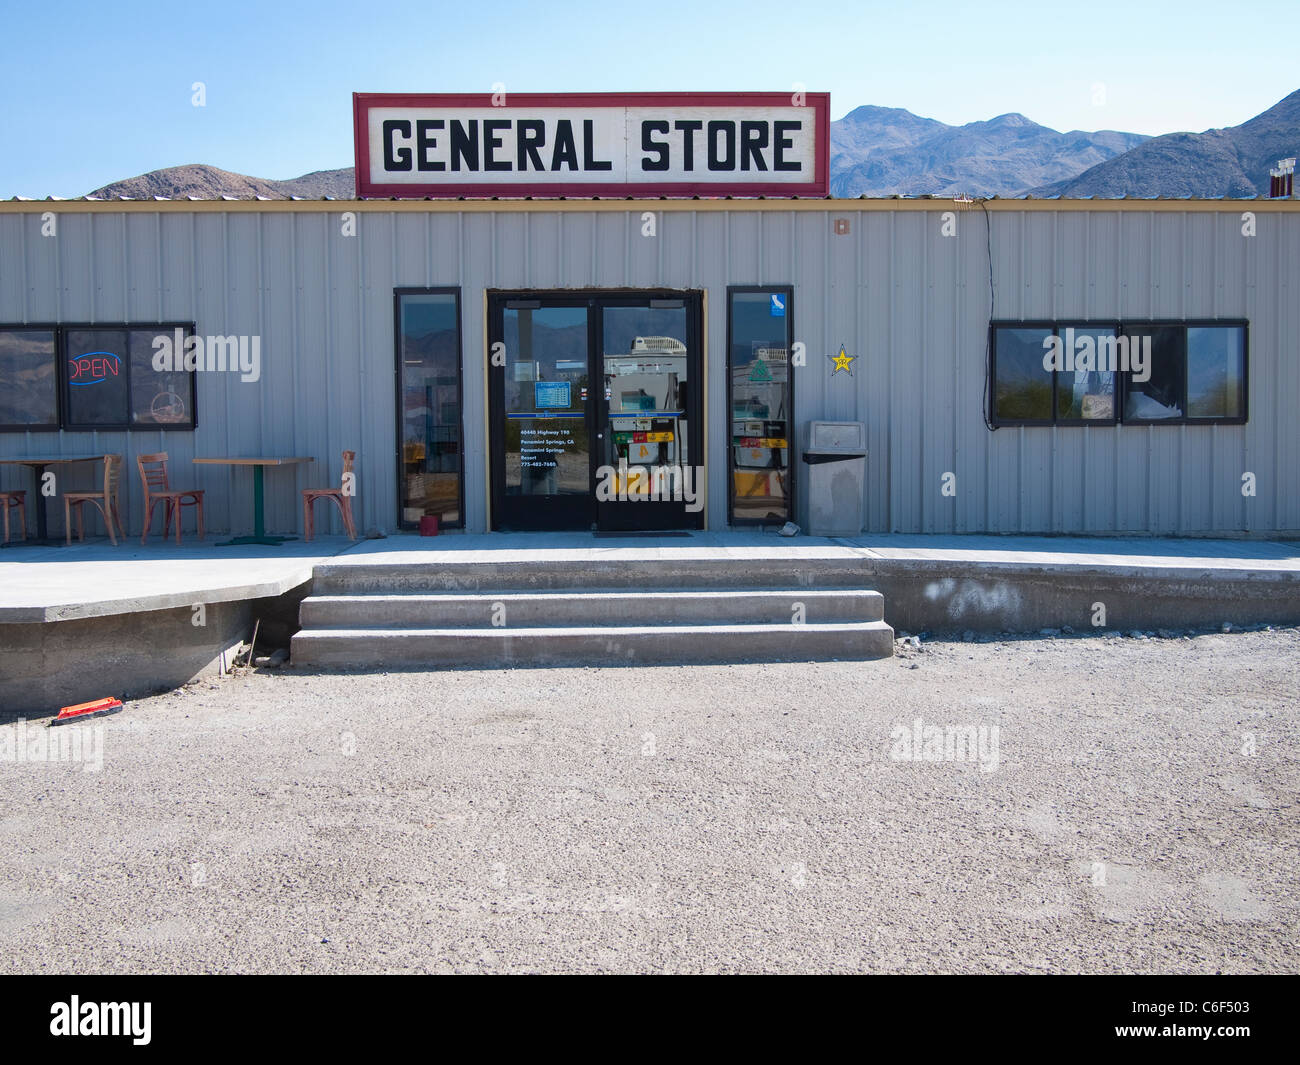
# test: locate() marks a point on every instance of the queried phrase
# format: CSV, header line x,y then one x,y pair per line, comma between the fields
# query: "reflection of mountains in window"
x,y
430,362
27,379
552,344
438,348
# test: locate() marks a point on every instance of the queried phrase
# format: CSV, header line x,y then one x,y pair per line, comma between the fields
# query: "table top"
x,y
50,460
284,460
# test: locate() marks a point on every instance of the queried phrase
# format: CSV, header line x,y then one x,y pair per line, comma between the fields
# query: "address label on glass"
x,y
552,395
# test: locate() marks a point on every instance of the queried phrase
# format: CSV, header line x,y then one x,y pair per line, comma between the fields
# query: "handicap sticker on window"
x,y
778,305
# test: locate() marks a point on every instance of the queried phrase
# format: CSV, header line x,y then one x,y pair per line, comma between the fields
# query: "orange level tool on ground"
x,y
94,708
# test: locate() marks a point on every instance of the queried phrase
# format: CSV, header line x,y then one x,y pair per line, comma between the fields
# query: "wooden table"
x,y
38,471
259,512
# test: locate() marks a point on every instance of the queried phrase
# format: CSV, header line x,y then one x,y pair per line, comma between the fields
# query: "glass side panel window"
x,y
96,378
430,429
162,397
760,406
1216,360
1085,386
1024,382
1157,378
28,379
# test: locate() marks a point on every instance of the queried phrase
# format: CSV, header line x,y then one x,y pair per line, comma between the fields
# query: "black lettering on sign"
x,y
566,150
531,136
491,142
688,128
424,142
781,143
753,139
396,158
718,161
464,144
589,161
649,144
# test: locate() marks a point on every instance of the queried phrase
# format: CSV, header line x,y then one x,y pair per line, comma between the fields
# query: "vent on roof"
x,y
1281,181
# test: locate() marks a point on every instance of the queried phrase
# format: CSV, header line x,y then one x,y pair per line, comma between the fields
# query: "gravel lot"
x,y
722,818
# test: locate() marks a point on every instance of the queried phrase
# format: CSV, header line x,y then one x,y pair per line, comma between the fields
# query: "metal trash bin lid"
x,y
827,441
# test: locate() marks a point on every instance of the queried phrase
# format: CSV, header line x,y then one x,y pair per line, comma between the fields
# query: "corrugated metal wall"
x,y
911,303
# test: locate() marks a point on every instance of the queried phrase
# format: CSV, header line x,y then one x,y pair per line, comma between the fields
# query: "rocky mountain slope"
x,y
1230,162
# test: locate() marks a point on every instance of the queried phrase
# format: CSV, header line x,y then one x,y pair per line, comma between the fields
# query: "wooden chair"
x,y
105,502
341,498
17,500
157,489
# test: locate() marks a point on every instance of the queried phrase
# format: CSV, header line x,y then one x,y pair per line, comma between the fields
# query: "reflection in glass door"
x,y
647,454
594,422
542,417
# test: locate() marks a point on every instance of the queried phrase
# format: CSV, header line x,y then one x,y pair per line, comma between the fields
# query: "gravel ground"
x,y
721,818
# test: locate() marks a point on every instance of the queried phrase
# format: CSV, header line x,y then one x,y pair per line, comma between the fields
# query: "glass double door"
x,y
594,410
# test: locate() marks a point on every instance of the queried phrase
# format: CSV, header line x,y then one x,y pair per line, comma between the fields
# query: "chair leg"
x,y
118,518
306,519
199,505
348,523
106,510
22,518
5,507
176,513
67,521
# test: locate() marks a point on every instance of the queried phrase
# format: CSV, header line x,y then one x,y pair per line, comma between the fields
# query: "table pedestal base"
x,y
259,524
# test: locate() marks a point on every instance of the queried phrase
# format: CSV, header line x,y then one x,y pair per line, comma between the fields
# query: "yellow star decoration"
x,y
843,361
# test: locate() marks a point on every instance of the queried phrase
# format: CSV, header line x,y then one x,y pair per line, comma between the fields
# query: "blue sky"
x,y
95,93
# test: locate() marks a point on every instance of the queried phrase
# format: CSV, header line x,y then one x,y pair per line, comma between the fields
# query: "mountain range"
x,y
1230,162
888,151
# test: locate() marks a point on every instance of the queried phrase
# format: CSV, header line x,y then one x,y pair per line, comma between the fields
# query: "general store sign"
x,y
640,144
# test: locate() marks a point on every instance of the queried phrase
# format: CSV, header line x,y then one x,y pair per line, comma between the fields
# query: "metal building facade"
x,y
912,303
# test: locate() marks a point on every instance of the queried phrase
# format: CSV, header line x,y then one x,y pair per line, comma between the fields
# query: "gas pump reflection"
x,y
645,390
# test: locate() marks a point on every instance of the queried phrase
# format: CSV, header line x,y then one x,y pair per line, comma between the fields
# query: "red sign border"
x,y
818,102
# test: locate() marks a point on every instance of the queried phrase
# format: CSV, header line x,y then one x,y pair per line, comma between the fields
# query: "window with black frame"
x,y
760,404
429,406
1133,373
96,377
29,387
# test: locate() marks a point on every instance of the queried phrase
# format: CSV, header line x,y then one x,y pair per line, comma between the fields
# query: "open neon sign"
x,y
94,368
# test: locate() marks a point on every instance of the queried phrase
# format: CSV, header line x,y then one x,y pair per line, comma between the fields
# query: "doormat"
x,y
636,532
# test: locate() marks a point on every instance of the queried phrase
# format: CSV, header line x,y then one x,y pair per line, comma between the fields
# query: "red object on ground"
x,y
94,708
429,525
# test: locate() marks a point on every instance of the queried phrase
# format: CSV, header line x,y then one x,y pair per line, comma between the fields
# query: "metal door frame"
x,y
590,516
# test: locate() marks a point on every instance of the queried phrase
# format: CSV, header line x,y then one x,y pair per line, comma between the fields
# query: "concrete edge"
x,y
271,588
943,567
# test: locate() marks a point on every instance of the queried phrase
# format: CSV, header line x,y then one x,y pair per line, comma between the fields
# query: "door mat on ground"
x,y
636,532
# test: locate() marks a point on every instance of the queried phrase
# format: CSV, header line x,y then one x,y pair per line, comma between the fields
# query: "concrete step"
x,y
583,573
609,645
558,609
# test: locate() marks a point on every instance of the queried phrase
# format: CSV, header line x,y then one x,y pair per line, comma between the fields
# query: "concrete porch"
x,y
81,621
